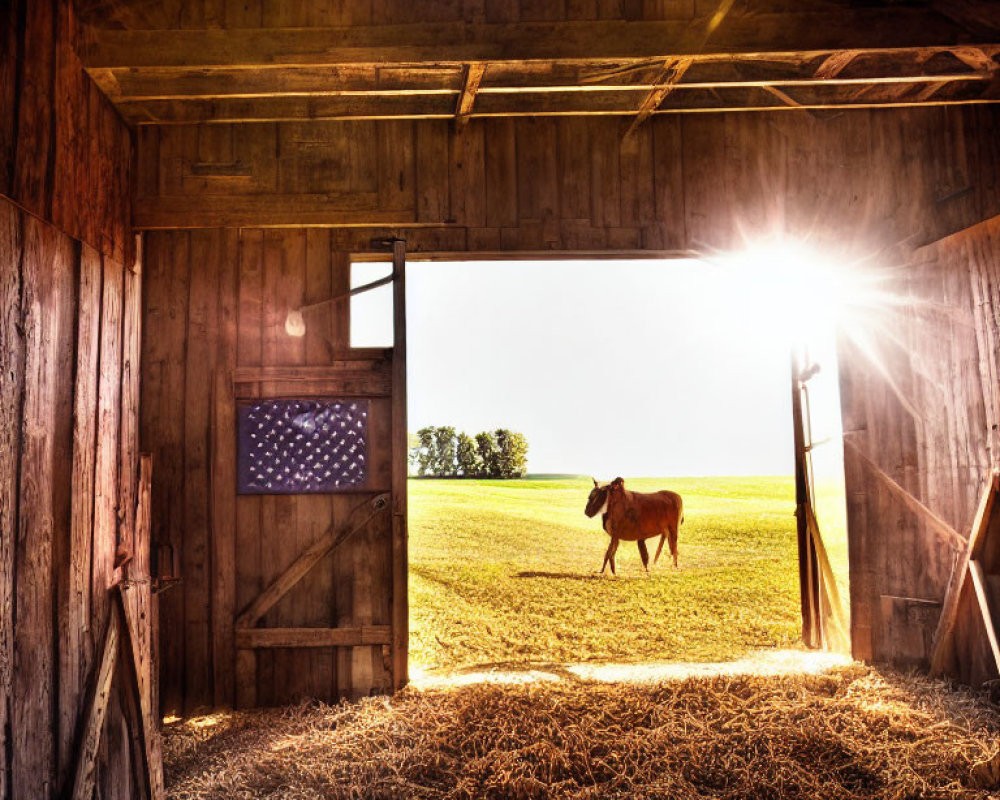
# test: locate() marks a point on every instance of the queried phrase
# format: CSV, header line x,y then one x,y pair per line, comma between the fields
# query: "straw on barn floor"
x,y
852,732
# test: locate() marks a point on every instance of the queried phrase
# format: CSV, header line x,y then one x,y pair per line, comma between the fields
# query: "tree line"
x,y
442,452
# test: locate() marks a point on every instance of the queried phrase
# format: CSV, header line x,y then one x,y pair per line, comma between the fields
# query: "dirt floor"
x,y
835,732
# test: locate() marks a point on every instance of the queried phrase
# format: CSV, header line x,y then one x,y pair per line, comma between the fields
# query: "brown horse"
x,y
635,517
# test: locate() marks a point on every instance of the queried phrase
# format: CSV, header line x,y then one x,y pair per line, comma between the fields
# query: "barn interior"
x,y
177,176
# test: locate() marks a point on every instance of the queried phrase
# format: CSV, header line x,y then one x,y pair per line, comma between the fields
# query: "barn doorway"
x,y
673,374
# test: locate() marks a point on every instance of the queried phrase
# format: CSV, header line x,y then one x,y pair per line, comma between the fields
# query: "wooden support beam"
x,y
257,638
97,708
782,96
673,71
458,43
941,645
596,102
933,521
473,77
170,83
985,601
399,603
270,211
835,63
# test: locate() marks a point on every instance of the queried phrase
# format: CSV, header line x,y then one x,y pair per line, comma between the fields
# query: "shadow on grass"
x,y
573,576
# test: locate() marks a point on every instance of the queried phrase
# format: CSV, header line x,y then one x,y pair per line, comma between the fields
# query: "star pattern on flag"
x,y
302,446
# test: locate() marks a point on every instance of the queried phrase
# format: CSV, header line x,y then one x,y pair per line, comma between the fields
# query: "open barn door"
x,y
823,618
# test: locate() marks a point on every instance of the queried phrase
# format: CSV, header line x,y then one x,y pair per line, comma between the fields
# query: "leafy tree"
x,y
445,451
513,455
469,463
489,454
426,451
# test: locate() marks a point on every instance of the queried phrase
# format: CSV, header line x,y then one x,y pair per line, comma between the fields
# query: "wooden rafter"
x,y
835,63
672,73
473,77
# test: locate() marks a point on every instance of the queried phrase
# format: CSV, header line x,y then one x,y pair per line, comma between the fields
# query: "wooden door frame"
x,y
809,577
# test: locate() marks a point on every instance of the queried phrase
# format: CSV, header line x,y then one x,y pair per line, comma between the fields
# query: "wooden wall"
x,y
871,182
65,154
69,393
578,183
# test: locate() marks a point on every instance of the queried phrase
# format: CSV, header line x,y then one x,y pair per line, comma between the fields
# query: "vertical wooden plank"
x,y
70,120
396,165
501,173
223,476
105,538
75,647
10,56
432,171
400,604
467,175
636,164
574,168
11,398
605,189
202,332
48,300
283,286
129,444
668,181
249,581
162,431
33,169
317,510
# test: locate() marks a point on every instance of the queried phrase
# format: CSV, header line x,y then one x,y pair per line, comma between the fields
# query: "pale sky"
x,y
611,367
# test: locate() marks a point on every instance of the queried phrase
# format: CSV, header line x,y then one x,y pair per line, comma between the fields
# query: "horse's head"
x,y
597,503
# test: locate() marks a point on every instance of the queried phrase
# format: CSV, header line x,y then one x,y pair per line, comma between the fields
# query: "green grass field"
x,y
504,573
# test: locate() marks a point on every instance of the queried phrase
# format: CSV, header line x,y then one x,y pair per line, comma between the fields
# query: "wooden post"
x,y
400,605
808,566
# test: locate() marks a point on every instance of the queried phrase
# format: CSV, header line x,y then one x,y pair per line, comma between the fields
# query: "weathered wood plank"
x,y
290,638
223,477
48,300
105,537
100,693
11,398
76,652
263,210
399,597
202,337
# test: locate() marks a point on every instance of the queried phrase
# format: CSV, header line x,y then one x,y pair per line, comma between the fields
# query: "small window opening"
x,y
371,311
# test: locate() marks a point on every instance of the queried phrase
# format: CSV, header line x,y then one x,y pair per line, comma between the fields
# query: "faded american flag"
x,y
299,446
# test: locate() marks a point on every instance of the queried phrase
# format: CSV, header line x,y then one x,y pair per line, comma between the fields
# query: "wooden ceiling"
x,y
225,61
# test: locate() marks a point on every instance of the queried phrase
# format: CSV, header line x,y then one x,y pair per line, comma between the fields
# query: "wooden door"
x,y
320,575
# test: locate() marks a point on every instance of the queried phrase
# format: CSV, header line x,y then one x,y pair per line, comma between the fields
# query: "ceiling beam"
x,y
473,76
732,98
672,74
584,42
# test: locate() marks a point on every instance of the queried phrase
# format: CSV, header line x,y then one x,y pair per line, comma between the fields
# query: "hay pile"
x,y
851,733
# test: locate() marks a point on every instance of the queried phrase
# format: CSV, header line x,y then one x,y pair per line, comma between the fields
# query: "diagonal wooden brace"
x,y
333,536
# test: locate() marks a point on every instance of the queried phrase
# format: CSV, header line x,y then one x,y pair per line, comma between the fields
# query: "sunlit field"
x,y
505,573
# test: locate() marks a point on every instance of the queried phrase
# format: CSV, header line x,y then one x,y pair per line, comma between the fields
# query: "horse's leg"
x,y
644,554
672,538
659,549
607,556
611,555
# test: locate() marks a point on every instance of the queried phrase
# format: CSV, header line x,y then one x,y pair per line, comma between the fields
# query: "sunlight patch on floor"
x,y
763,663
